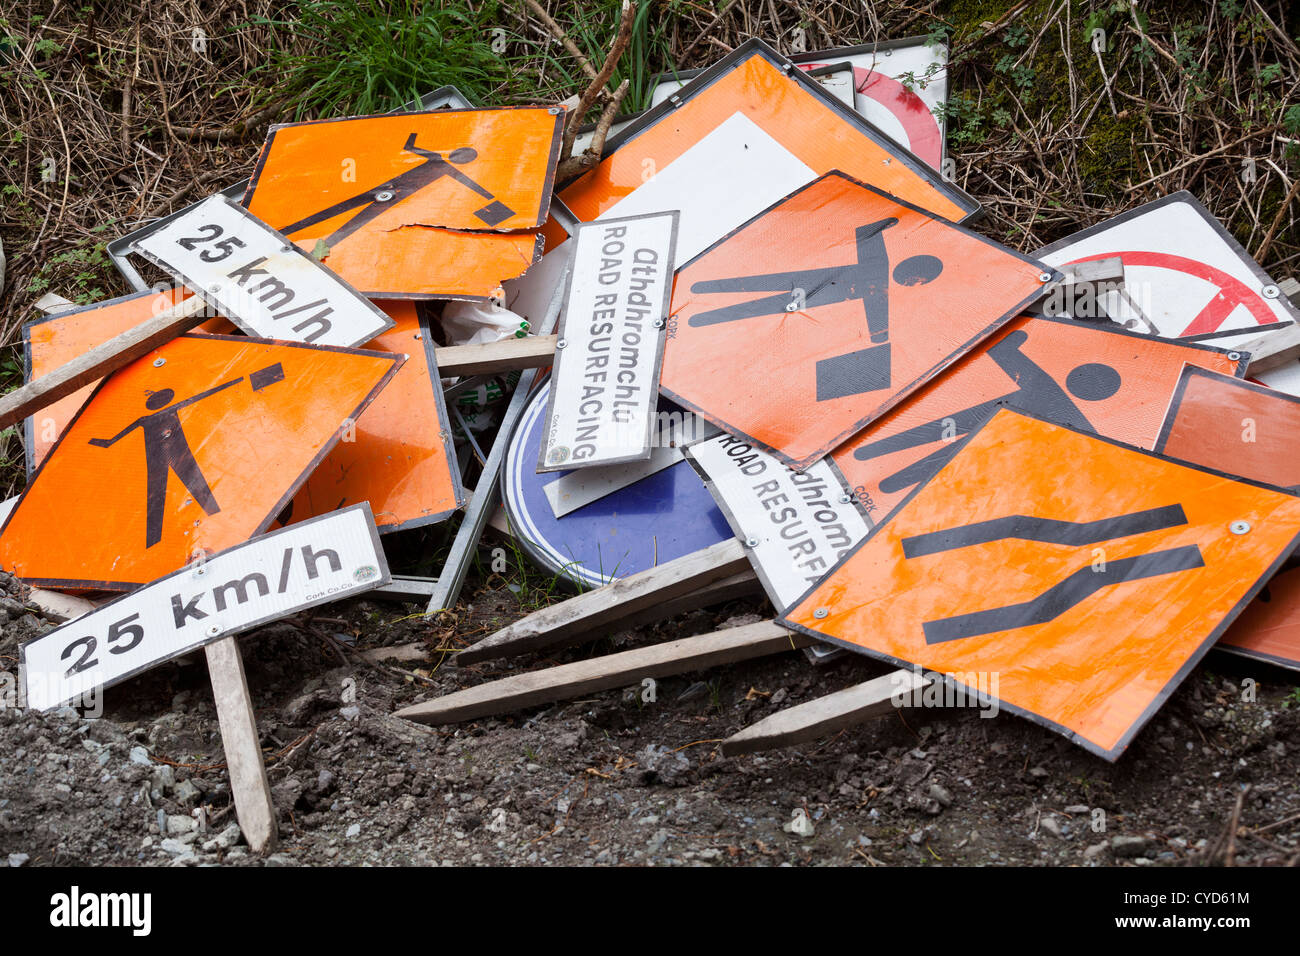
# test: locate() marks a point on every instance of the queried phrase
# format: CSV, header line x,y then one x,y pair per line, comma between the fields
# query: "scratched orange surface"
x,y
1084,375
391,196
1269,629
57,339
817,133
819,364
400,457
1087,629
1234,426
228,426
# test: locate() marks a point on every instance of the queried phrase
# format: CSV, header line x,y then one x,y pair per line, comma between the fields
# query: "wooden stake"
x,y
101,360
239,737
602,673
825,715
557,625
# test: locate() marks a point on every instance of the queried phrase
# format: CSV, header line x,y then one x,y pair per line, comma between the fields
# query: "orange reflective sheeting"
x,y
192,449
53,341
406,204
1077,579
1084,375
400,456
804,119
1269,629
821,313
1234,426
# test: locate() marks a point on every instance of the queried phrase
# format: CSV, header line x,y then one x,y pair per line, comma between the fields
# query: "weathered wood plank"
x,y
242,744
603,673
530,351
825,715
101,360
557,625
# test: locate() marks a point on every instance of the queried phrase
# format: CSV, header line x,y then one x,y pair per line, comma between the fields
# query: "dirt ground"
x,y
114,113
616,779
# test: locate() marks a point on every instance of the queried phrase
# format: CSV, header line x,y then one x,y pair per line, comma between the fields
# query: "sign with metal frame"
x,y
605,384
1086,375
206,439
325,559
1089,575
805,119
821,313
795,526
249,272
1185,276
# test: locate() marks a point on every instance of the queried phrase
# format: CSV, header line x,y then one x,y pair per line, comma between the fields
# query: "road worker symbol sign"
x,y
192,449
54,340
756,82
1233,426
820,314
1084,375
400,456
380,192
1087,575
1184,274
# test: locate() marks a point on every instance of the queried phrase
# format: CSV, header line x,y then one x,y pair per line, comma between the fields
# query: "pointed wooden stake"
x,y
239,737
602,673
826,715
557,625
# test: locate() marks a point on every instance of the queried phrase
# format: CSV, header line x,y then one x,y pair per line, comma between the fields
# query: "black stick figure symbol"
x,y
866,370
167,450
372,202
1038,394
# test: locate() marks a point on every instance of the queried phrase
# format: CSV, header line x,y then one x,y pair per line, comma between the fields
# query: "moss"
x,y
1108,160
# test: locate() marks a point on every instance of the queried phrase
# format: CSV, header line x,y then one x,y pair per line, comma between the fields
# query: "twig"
x,y
621,41
563,37
705,32
1262,251
574,166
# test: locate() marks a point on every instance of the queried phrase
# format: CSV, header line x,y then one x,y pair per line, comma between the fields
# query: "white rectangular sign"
x,y
259,279
795,525
605,388
323,559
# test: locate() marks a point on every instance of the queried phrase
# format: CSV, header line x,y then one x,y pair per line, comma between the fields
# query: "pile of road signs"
x,y
781,356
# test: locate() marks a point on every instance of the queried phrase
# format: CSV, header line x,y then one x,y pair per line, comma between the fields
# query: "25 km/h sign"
x,y
324,559
259,279
824,311
1088,575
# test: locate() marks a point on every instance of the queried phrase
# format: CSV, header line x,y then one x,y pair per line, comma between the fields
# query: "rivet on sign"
x,y
885,161
560,343
1044,277
159,362
751,542
1270,292
1234,356
215,287
213,630
418,336
658,323
554,111
1239,527
383,195
286,248
845,499
820,613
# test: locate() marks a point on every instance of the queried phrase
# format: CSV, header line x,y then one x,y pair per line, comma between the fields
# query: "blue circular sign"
x,y
658,518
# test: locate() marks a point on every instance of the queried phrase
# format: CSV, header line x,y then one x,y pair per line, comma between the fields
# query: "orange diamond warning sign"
x,y
1085,575
190,450
820,314
391,198
1082,374
400,456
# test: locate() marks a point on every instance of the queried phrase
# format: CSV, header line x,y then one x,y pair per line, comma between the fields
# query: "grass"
x,y
350,57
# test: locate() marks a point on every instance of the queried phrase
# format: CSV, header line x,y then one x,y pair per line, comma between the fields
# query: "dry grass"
x,y
111,116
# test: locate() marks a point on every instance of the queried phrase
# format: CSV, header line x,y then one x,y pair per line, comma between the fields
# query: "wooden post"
x,y
239,737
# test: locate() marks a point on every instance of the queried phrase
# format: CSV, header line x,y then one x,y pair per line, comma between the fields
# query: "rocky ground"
x,y
615,779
